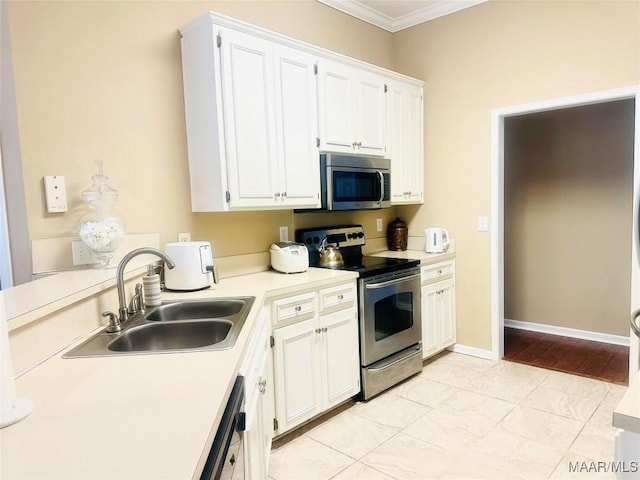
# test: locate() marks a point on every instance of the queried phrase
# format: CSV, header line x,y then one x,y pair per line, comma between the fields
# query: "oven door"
x,y
390,314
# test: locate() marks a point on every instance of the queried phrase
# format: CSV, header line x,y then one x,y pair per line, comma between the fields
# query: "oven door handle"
x,y
395,362
390,282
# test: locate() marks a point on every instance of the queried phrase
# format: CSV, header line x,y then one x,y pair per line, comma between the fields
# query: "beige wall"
x,y
568,208
103,81
493,55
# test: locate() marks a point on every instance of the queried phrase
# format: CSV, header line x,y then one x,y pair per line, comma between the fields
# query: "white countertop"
x,y
144,416
425,258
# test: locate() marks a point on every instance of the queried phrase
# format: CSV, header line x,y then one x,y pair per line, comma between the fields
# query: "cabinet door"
x,y
430,340
336,104
247,82
340,356
447,314
297,373
404,143
370,114
297,128
253,440
396,141
414,145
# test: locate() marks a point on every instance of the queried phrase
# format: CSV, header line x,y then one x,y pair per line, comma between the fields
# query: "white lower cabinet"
x,y
438,308
258,408
316,360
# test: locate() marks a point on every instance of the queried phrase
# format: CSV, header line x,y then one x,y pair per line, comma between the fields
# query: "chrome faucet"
x,y
123,313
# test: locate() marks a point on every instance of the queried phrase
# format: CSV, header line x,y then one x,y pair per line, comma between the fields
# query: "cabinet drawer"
x,y
294,309
337,298
437,270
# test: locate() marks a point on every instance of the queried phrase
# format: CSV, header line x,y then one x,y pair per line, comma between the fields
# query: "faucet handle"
x,y
114,322
137,303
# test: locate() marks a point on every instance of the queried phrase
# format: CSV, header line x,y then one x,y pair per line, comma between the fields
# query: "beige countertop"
x,y
144,416
425,258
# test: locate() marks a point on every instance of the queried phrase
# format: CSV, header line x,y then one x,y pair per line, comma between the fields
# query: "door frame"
x,y
498,116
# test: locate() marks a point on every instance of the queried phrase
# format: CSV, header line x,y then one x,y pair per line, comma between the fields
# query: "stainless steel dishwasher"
x,y
226,457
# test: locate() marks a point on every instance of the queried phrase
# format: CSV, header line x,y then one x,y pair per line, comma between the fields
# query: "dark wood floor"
x,y
586,358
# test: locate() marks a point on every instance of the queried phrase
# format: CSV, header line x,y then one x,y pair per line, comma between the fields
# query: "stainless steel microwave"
x,y
354,182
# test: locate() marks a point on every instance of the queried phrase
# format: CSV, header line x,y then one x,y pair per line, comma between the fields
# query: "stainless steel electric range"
x,y
389,306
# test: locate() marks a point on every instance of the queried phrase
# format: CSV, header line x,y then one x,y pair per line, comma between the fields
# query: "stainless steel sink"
x,y
172,336
192,310
179,326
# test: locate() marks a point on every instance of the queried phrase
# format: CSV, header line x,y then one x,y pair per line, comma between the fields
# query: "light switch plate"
x,y
483,224
55,193
379,224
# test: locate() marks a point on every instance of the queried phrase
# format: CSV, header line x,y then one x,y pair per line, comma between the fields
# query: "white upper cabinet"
x,y
352,109
251,113
405,142
249,120
259,107
297,127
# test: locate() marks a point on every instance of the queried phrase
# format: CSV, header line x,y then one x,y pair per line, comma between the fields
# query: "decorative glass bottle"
x,y
101,228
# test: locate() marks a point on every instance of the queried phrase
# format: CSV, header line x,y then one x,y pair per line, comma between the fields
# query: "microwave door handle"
x,y
381,185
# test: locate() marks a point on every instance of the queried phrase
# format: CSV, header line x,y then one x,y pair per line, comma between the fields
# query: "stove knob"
x,y
360,234
309,241
316,240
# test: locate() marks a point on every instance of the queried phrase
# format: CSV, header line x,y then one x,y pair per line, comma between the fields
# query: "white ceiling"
x,y
395,15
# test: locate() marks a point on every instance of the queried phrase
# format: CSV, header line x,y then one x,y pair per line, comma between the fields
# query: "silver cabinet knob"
x,y
298,308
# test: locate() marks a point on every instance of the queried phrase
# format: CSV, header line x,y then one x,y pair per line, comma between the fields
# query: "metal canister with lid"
x,y
397,235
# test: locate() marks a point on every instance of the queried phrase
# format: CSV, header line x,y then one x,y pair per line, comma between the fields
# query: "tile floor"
x,y
461,418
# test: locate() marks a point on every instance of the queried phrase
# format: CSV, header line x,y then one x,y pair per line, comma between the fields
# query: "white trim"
x,y
436,9
568,332
473,351
497,189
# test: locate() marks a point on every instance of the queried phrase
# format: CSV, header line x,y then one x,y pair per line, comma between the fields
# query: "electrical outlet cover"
x,y
82,255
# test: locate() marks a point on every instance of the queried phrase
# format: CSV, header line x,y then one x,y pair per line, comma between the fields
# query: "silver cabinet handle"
x,y
324,329
340,297
634,326
298,308
277,194
318,330
262,386
284,194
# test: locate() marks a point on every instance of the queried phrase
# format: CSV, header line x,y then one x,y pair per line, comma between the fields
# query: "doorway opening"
x,y
533,268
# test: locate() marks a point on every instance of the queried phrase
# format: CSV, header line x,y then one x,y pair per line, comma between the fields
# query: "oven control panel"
x,y
341,236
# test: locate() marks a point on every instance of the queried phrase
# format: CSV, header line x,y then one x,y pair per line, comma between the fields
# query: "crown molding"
x,y
438,9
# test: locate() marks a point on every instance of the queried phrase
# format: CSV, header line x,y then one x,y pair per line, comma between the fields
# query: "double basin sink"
x,y
178,326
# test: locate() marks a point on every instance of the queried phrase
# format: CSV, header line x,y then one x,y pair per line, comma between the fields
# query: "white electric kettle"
x,y
436,240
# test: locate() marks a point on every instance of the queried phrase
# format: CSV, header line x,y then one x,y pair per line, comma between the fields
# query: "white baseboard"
x,y
473,351
568,332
